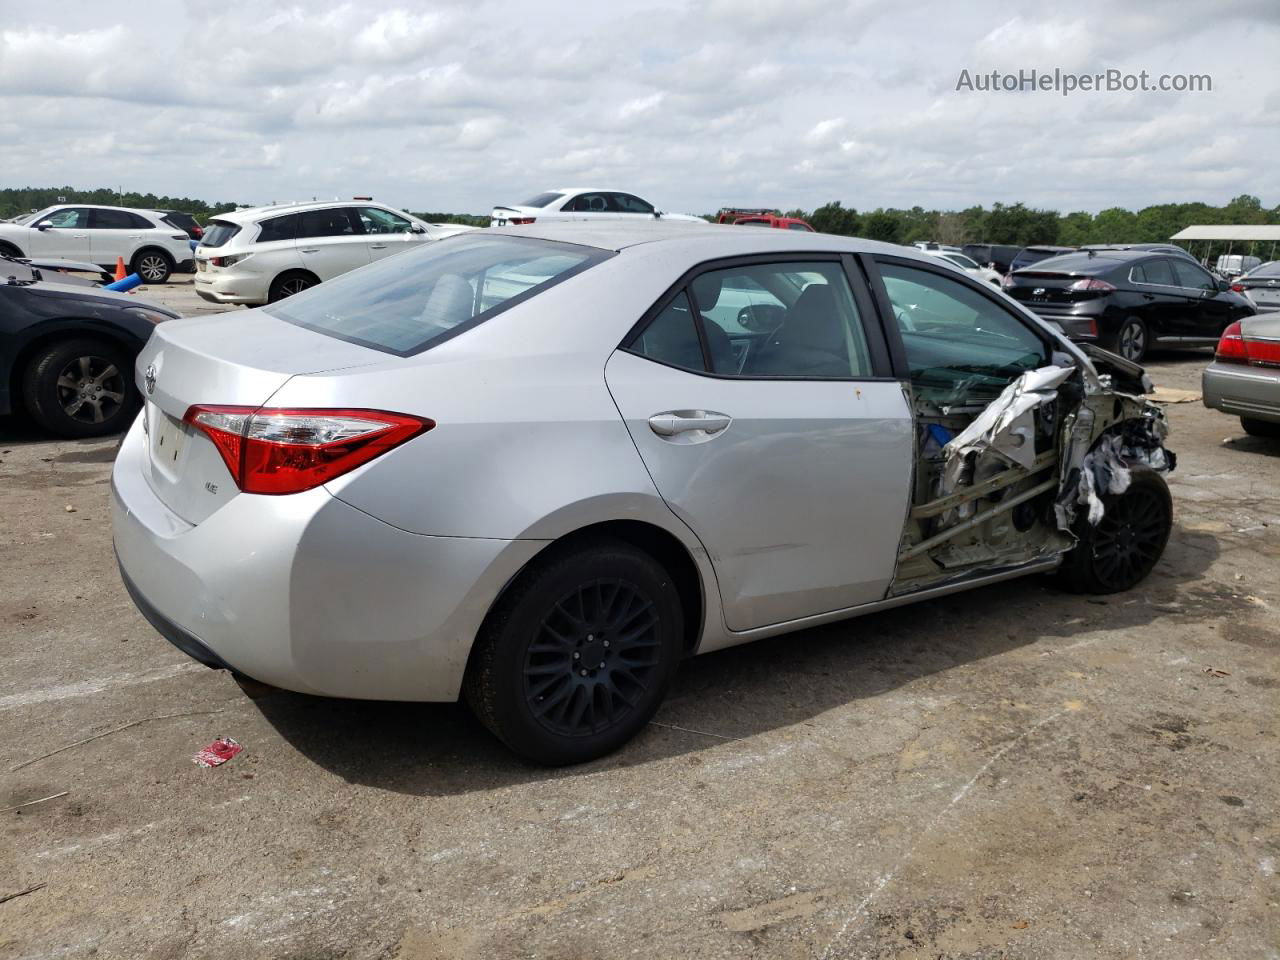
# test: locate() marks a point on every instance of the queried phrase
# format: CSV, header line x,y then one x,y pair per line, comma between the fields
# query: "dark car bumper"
x,y
186,266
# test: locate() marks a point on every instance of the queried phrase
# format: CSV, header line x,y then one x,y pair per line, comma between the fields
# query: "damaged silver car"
x,y
537,467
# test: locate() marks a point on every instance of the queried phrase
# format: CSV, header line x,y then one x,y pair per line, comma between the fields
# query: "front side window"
x,y
277,228
70,218
1191,276
377,220
960,260
791,320
333,222
960,345
626,203
410,302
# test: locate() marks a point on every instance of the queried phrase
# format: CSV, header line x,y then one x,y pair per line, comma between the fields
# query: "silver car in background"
x,y
538,466
1244,378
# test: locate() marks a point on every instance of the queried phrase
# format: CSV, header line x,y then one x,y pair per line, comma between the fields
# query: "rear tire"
x,y
576,657
81,388
1260,428
1131,340
287,284
1128,541
153,266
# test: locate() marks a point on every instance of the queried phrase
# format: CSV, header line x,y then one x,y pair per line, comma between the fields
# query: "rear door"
x,y
115,233
1164,303
65,235
790,460
332,241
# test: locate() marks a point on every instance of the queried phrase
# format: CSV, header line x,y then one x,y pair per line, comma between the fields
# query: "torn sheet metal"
x,y
1006,429
1106,470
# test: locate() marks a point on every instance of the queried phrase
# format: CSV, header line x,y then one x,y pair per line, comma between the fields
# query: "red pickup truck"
x,y
761,218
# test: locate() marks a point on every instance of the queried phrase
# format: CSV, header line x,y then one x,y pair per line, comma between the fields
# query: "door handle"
x,y
1148,296
377,246
311,250
675,422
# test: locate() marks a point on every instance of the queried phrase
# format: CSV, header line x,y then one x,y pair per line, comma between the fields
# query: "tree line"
x,y
1013,223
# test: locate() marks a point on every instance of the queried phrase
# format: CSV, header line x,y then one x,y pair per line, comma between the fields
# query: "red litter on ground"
x,y
217,753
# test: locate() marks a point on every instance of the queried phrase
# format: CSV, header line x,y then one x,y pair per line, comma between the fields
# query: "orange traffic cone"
x,y
121,273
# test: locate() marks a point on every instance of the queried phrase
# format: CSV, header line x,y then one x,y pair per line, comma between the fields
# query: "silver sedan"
x,y
537,467
1244,377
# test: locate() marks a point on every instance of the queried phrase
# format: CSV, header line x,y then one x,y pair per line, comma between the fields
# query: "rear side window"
x,y
115,220
334,222
219,232
277,228
1158,272
672,337
408,303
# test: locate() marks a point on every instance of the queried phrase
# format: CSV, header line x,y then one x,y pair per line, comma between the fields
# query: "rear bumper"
x,y
221,287
1242,390
306,592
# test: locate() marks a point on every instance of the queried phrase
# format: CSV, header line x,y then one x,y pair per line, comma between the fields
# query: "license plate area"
x,y
168,441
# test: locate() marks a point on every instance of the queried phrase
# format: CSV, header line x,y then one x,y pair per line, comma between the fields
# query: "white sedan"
x,y
968,265
580,203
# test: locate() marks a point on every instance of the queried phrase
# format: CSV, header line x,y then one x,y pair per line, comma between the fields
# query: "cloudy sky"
x,y
453,106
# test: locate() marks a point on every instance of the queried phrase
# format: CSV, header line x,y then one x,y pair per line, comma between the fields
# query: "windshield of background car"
x,y
218,232
542,199
411,302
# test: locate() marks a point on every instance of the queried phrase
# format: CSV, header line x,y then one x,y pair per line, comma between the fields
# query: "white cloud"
x,y
458,104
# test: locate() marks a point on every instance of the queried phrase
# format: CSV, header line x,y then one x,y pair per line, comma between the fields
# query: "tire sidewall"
x,y
514,626
1081,566
40,393
1146,338
275,293
135,267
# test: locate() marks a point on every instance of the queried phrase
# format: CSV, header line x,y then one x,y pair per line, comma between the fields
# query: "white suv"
x,y
151,246
265,254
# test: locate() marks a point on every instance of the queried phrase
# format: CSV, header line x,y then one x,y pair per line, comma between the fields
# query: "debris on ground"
x,y
217,753
22,893
32,803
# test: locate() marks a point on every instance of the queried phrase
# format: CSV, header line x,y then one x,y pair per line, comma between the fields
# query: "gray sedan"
x,y
1244,378
539,466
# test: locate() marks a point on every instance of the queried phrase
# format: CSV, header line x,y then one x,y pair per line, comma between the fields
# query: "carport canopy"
x,y
1242,231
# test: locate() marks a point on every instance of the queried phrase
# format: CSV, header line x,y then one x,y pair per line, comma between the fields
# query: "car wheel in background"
x,y
578,654
287,284
9,250
1260,428
1128,541
1130,340
152,266
81,388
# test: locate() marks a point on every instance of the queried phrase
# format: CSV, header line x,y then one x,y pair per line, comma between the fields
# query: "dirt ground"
x,y
1009,773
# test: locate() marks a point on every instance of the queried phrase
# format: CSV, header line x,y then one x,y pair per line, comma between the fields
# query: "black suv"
x,y
999,255
1129,300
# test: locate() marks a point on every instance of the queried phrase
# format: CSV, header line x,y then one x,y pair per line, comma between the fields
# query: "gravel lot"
x,y
1013,772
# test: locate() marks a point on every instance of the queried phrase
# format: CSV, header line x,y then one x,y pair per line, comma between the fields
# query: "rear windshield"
x,y
408,303
542,199
218,232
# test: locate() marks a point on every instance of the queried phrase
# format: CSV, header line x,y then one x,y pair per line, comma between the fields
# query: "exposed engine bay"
x,y
1006,483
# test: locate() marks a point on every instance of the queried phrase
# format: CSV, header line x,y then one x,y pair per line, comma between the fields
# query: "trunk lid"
x,y
1044,286
241,359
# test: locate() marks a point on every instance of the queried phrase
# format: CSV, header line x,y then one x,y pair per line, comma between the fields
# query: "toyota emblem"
x,y
149,378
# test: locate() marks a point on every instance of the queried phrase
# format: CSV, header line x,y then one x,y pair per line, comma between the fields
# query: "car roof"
x,y
103,206
1080,261
713,239
254,214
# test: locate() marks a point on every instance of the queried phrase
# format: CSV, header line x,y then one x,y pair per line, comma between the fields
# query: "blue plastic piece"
x,y
941,435
128,283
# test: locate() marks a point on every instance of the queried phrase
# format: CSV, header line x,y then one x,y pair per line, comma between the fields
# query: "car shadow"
x,y
441,749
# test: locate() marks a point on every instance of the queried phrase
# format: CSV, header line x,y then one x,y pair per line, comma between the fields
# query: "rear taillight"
x,y
228,261
1238,287
276,451
1092,285
521,221
1235,347
197,232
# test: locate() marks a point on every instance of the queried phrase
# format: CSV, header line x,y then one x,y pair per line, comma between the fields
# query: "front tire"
x,y
287,284
153,266
1128,541
1260,428
1131,340
9,250
80,388
577,656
